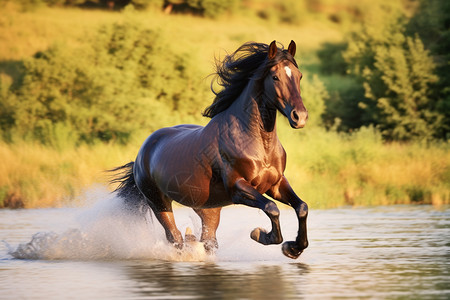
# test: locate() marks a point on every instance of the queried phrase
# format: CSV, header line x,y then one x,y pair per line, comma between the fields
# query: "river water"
x,y
102,252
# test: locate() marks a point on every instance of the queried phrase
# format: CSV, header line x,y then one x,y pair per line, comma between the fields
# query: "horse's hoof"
x,y
189,237
211,246
290,250
262,236
259,235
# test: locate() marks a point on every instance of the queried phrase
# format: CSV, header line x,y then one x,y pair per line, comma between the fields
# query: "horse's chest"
x,y
259,173
260,166
264,178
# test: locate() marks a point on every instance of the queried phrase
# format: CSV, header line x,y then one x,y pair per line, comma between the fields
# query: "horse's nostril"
x,y
294,116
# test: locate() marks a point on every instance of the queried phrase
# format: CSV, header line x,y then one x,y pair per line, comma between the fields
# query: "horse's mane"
x,y
250,61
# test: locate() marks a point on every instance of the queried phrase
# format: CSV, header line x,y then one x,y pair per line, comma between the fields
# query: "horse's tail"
x,y
127,188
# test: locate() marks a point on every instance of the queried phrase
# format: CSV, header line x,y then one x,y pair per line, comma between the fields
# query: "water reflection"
x,y
217,281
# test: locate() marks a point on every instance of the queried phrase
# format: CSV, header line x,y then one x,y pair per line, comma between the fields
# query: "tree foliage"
x,y
432,24
206,8
124,80
315,95
399,76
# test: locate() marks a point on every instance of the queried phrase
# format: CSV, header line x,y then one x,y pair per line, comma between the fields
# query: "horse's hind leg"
x,y
161,206
167,220
210,221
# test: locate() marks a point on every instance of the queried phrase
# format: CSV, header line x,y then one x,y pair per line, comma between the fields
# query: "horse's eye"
x,y
275,78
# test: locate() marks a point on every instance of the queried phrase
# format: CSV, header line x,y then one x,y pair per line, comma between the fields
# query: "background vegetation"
x,y
81,88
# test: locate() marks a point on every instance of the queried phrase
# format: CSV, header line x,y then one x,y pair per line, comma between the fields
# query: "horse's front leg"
x,y
244,193
286,194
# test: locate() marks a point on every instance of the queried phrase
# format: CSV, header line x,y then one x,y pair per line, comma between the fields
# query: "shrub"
x,y
394,82
315,95
342,112
432,24
397,75
330,54
101,92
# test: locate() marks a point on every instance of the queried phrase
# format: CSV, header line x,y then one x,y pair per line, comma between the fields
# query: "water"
x,y
103,252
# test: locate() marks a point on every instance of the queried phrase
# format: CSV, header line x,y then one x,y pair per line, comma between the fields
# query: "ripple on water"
x,y
383,252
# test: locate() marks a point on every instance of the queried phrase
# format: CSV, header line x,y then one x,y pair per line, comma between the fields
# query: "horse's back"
x,y
179,160
164,143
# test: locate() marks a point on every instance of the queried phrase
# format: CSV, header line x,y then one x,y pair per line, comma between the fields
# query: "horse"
x,y
236,158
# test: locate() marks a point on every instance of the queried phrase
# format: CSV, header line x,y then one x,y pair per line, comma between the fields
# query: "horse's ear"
x,y
273,50
292,48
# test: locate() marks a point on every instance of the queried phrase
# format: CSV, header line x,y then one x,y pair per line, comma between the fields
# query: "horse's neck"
x,y
257,119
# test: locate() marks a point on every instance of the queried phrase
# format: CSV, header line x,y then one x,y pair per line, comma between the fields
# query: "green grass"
x,y
326,169
36,176
330,169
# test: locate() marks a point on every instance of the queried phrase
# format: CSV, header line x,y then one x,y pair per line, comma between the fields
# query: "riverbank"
x,y
327,169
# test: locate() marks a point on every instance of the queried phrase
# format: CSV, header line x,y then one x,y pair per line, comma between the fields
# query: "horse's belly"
x,y
195,188
185,167
185,187
218,196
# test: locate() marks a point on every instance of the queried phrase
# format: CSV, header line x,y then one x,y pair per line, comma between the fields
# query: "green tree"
x,y
431,22
397,73
314,96
207,8
123,81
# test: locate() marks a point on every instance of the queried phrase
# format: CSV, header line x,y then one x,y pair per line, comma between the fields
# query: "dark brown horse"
x,y
235,159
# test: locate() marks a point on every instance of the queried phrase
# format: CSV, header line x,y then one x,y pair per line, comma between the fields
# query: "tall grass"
x,y
32,175
331,169
326,169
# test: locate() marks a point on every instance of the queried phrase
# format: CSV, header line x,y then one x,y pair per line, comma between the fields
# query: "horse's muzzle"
x,y
298,119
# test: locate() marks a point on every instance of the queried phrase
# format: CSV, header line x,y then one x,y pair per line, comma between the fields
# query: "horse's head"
x,y
282,84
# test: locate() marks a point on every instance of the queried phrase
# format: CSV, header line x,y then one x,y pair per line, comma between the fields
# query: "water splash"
x,y
110,230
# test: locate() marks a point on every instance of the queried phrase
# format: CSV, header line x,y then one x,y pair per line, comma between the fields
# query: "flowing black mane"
x,y
249,62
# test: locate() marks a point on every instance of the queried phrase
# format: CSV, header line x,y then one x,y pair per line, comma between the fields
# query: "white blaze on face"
x,y
288,71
